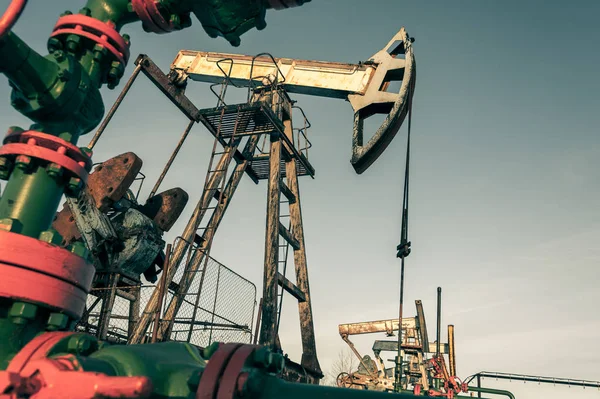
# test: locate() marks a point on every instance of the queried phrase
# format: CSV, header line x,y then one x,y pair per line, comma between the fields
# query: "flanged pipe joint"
x,y
77,366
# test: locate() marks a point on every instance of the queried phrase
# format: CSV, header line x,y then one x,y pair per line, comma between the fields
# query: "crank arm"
x,y
395,62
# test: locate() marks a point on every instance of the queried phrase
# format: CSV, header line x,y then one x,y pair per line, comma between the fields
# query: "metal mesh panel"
x,y
219,306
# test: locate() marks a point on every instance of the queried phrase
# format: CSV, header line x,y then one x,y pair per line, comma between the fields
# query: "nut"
x,y
51,237
8,224
82,344
57,321
23,310
22,162
74,187
78,248
54,171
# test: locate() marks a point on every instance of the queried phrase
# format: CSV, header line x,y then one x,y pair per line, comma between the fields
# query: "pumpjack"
x,y
111,238
424,367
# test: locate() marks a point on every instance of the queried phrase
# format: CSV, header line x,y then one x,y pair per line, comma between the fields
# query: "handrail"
x,y
251,85
538,379
492,391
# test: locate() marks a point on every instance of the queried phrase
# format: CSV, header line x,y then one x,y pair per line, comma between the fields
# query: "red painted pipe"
x,y
12,13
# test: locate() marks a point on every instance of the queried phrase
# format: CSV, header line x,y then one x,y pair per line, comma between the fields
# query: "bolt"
x,y
210,350
86,11
127,39
78,248
22,162
186,21
260,23
8,224
82,344
74,186
14,130
59,55
54,171
18,102
54,44
57,321
277,363
116,70
5,168
235,42
73,43
64,75
262,357
22,312
175,21
51,237
66,13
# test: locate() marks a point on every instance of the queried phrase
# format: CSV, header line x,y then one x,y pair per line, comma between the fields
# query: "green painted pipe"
x,y
493,391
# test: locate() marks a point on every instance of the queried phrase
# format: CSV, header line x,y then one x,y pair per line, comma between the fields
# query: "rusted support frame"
x,y
287,192
307,329
162,291
368,327
288,236
114,107
173,92
451,353
171,159
188,235
125,295
194,263
422,325
258,318
134,309
269,312
290,288
108,300
358,355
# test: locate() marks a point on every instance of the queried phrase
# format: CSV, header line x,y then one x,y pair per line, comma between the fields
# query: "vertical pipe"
x,y
212,321
398,382
163,290
439,321
258,316
478,386
172,158
115,106
451,353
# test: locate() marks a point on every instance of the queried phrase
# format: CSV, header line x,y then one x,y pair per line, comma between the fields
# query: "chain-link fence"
x,y
218,306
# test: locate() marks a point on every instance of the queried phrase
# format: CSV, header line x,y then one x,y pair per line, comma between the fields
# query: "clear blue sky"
x,y
505,175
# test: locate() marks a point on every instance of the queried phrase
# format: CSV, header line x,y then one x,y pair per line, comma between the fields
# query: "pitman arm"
x,y
363,84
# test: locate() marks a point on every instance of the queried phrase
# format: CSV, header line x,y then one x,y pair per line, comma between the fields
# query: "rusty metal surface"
x,y
307,329
295,372
64,224
268,329
290,288
111,179
165,208
181,248
368,327
376,100
175,91
451,352
320,78
421,324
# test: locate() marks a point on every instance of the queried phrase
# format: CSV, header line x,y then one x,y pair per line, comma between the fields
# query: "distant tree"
x,y
346,362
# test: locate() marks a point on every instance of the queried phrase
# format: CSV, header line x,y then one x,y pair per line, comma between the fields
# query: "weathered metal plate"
x,y
164,208
111,179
